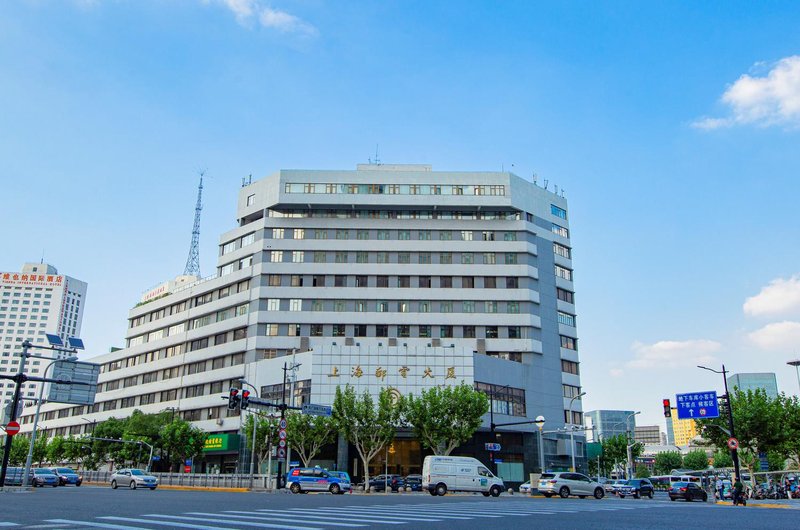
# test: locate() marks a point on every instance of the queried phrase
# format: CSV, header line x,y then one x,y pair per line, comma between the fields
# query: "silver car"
x,y
133,478
565,484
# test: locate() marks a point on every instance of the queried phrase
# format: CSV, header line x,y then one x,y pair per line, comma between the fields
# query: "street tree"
x,y
642,472
696,460
442,418
666,462
19,450
368,425
182,439
308,434
722,458
39,449
56,450
266,434
615,450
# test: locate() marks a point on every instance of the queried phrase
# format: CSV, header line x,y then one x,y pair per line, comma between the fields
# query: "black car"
x,y
636,487
379,483
413,482
687,491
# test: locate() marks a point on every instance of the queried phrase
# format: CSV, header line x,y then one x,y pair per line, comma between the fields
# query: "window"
x,y
274,280
468,306
446,307
558,212
512,282
299,233
295,304
340,280
489,258
467,282
446,258
316,330
251,199
562,272
273,304
577,417
339,330
571,391
404,235
445,235
561,250
383,235
403,307
425,257
382,281
318,280
360,330
362,257
362,234
491,307
362,281
425,282
559,230
505,400
277,233
294,330
341,257
569,342
566,319
424,235
514,332
490,282
512,307
425,331
381,330
382,306
404,281
446,332
404,257
276,256
361,306
468,332
491,332
339,306
228,247
425,306
569,367
466,235
445,282
382,257
467,258
296,280
297,256
320,234
511,258
510,236
404,331
342,234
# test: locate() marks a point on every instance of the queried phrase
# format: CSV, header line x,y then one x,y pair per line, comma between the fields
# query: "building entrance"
x,y
404,458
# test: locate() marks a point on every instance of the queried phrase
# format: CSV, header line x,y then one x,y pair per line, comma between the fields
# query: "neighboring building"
x,y
683,431
34,302
670,435
605,424
647,434
385,277
765,381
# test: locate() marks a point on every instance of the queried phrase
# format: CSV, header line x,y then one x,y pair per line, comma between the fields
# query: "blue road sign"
x,y
697,405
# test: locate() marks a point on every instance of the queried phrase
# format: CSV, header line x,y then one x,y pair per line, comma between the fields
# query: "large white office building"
x,y
389,276
33,302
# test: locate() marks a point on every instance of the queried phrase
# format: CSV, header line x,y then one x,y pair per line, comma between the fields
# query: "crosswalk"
x,y
343,517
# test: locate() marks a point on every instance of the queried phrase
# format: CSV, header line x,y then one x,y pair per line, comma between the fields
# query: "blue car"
x,y
305,479
67,476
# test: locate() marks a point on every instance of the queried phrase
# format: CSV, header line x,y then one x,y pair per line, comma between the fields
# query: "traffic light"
x,y
245,399
233,398
667,409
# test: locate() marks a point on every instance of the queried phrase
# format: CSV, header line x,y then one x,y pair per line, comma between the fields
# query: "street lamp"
x,y
628,444
796,364
539,421
255,425
572,431
25,477
734,452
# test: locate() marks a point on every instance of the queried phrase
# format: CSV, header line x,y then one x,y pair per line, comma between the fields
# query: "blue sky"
x,y
672,127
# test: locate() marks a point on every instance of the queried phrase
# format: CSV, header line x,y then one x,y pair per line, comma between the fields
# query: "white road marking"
x,y
241,523
312,515
368,512
249,515
171,524
80,524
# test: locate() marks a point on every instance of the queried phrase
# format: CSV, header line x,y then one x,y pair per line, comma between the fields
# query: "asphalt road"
x,y
122,509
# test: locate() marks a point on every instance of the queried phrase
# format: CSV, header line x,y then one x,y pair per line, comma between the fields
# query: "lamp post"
x,y
25,477
796,364
540,424
293,368
734,452
255,425
572,431
628,444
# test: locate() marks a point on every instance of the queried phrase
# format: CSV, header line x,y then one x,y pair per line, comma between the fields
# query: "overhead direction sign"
x,y
317,410
80,382
697,405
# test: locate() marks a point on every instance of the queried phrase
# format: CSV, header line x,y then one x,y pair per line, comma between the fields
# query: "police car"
x,y
305,479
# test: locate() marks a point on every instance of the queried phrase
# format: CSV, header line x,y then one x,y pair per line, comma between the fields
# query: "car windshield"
x,y
634,482
42,471
65,470
547,475
137,472
680,484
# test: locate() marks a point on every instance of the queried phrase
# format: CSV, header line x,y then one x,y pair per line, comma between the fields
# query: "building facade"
x,y
765,381
683,431
33,302
647,434
605,424
388,276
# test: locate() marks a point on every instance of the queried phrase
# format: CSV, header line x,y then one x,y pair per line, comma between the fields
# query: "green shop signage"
x,y
221,442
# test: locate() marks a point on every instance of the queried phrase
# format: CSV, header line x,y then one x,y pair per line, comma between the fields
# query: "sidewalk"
x,y
788,504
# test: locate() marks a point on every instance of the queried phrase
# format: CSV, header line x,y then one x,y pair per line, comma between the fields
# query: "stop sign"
x,y
12,428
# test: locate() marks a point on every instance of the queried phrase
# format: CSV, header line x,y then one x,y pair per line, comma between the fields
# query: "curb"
x,y
759,505
184,488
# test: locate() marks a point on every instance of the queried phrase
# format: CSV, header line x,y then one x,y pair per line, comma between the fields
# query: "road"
x,y
122,509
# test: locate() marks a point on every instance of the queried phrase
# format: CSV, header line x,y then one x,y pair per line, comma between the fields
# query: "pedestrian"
x,y
719,488
738,487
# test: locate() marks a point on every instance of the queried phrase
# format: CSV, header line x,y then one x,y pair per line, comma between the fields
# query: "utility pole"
x,y
729,400
19,379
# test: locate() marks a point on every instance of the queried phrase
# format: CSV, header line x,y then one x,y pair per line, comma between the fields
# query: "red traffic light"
x,y
245,394
667,408
666,403
234,391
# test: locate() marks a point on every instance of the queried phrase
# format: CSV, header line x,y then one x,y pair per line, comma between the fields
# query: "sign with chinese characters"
x,y
80,382
697,405
317,410
20,278
221,442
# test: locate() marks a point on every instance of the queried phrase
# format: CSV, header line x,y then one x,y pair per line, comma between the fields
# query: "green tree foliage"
x,y
308,434
443,418
19,450
39,449
615,451
696,460
666,462
722,458
365,424
776,460
56,450
182,439
642,472
266,434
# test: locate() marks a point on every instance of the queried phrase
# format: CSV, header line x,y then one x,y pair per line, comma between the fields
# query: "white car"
x,y
525,488
565,484
133,478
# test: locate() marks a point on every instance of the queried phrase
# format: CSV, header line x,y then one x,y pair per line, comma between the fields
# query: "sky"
x,y
672,128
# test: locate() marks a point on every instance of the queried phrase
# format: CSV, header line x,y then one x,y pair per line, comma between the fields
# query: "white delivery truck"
x,y
441,474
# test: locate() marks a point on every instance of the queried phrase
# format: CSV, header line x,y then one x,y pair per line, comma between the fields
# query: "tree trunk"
x,y
365,463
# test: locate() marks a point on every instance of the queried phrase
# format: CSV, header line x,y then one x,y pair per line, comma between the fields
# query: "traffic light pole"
x,y
734,452
19,379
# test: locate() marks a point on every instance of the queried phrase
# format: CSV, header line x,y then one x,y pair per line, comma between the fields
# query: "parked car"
x,y
441,474
305,479
612,486
413,482
525,488
381,482
45,477
636,487
133,478
687,491
14,476
565,484
67,476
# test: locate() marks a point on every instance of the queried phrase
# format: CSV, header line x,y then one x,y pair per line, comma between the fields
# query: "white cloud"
x,y
783,336
773,99
616,372
778,298
673,354
248,10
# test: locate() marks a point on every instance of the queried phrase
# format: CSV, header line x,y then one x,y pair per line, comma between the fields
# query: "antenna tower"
x,y
193,261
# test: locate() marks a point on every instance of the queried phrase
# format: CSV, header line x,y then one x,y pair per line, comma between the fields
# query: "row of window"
x,y
386,235
399,306
364,256
403,331
217,363
385,281
349,213
198,300
175,329
391,189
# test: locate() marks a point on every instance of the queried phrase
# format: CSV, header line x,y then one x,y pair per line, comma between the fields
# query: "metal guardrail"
x,y
200,480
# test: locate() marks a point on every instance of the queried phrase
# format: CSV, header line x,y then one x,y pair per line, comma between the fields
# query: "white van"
x,y
441,474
